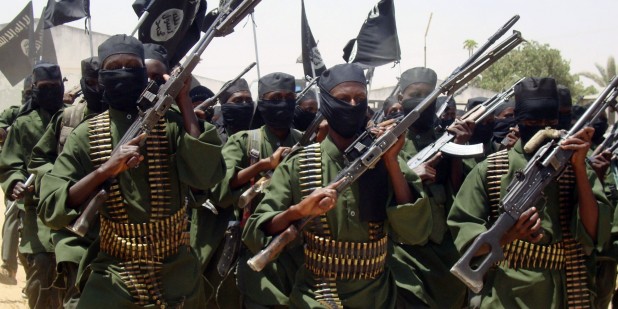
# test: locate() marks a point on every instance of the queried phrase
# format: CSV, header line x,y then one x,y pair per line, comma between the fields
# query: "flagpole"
x,y
257,58
426,32
142,18
90,36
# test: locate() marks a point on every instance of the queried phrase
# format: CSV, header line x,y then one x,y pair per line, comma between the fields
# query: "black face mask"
x,y
26,95
482,133
48,98
445,123
426,120
302,118
237,116
502,127
527,132
93,97
277,114
600,126
394,115
564,121
123,87
344,118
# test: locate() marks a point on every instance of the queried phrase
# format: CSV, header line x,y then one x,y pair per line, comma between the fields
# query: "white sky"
x,y
584,31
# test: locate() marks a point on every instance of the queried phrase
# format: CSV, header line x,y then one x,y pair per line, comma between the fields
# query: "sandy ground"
x,y
10,295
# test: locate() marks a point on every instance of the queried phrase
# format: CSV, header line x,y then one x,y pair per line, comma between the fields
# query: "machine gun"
x,y
213,100
444,144
155,101
366,151
524,192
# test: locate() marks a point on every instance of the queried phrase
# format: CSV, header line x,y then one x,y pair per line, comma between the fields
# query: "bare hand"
x,y
462,129
318,202
527,228
273,161
600,163
126,157
580,144
393,152
426,171
20,189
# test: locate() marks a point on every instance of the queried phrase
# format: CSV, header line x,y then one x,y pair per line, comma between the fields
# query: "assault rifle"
x,y
523,192
155,101
307,138
444,144
366,151
610,101
213,100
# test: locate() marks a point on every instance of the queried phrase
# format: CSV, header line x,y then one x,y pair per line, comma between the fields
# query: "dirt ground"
x,y
10,295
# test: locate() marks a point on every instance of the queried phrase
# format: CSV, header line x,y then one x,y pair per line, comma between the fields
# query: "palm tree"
x,y
470,45
605,74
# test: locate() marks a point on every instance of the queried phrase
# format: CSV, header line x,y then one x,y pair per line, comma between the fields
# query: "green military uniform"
x,y
423,271
9,115
273,285
118,270
68,247
35,240
342,227
530,285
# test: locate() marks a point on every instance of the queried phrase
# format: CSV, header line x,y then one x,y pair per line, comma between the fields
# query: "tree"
x,y
605,73
532,59
470,45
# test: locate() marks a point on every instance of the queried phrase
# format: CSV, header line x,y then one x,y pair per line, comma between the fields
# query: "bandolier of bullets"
x,y
310,179
141,247
578,294
566,254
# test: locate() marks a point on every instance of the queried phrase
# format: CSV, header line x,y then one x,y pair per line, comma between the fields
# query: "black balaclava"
x,y
93,95
502,127
200,94
303,118
48,97
535,99
427,119
26,94
565,101
122,87
600,125
342,117
388,103
236,116
277,114
482,131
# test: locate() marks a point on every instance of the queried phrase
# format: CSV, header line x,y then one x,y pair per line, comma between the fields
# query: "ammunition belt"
x,y
344,260
523,254
497,166
152,241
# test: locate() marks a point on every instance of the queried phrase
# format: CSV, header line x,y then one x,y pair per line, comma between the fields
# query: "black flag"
x,y
173,24
14,44
311,54
58,12
377,42
44,47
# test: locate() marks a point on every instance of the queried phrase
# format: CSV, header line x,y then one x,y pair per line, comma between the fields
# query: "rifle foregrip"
x,y
473,277
270,253
82,224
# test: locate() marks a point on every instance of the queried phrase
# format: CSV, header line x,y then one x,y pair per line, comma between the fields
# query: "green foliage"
x,y
605,74
532,59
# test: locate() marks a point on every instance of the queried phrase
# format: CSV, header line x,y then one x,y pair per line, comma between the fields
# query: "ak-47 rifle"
x,y
444,144
523,192
155,101
368,150
213,100
307,138
610,101
13,204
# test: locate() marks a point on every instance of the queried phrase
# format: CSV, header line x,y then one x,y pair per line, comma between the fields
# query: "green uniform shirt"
x,y
423,271
15,155
68,247
194,162
410,221
272,285
529,288
8,116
